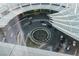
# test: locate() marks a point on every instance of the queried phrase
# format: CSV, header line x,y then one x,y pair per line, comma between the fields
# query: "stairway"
x,y
67,21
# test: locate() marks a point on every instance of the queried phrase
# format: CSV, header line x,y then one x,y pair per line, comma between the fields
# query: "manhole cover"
x,y
40,35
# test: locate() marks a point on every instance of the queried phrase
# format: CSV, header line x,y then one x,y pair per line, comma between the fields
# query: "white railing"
x,y
11,7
